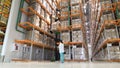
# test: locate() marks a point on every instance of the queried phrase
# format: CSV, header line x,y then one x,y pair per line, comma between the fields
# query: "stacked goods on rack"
x,y
114,52
64,9
76,21
110,33
107,40
23,52
17,50
4,13
70,29
67,53
79,53
77,36
64,24
75,1
38,38
65,36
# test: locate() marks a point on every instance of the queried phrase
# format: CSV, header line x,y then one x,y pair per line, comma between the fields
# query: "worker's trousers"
x,y
62,57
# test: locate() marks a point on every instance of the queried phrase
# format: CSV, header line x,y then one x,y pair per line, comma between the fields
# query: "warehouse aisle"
x,y
59,65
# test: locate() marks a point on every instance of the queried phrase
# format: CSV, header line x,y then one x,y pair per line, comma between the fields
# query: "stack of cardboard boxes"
x,y
67,53
77,36
79,53
65,36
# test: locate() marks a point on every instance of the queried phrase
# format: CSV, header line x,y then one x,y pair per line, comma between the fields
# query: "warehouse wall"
x,y
11,33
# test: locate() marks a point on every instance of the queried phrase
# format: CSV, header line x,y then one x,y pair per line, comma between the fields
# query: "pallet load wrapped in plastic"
x,y
26,52
77,36
48,54
114,52
78,53
36,36
75,1
65,36
110,33
76,21
64,24
76,7
44,26
67,54
64,3
37,54
17,51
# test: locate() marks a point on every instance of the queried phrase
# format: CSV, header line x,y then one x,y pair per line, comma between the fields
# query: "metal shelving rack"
x,y
102,44
4,13
30,26
70,15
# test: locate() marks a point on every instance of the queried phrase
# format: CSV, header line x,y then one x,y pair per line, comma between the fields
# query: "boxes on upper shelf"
x,y
77,36
65,36
55,25
64,3
36,20
109,16
44,26
64,10
76,7
64,24
28,35
37,36
110,33
114,48
76,21
75,1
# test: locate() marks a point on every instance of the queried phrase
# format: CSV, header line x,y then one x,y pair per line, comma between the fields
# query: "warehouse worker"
x,y
61,50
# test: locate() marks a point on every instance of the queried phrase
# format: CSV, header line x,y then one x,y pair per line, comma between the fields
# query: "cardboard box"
x,y
67,56
111,33
65,36
77,36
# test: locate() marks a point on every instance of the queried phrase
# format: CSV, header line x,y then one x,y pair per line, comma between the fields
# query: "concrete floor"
x,y
59,65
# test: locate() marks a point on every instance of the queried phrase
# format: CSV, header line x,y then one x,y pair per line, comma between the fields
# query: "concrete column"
x,y
11,34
